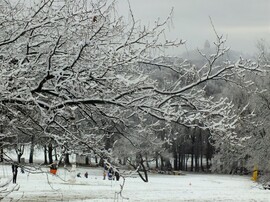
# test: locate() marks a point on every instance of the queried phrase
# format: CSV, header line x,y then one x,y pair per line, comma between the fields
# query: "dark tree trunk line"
x,y
32,146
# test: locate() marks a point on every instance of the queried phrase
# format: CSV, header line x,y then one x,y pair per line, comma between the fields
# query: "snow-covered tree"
x,y
257,146
252,132
79,68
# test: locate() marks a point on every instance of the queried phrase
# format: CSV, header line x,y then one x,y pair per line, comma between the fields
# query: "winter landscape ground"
x,y
188,187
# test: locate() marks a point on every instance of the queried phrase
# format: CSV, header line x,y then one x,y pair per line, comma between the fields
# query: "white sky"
x,y
244,22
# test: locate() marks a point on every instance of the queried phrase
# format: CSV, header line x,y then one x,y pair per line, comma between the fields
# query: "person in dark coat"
x,y
86,174
117,175
14,172
110,173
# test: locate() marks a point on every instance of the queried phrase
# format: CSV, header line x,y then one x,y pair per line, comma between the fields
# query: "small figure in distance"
x,y
117,175
14,172
104,175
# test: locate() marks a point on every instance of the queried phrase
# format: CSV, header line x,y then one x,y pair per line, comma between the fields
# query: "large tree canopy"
x,y
76,72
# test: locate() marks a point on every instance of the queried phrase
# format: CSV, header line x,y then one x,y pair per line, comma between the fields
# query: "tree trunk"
x,y
157,161
207,163
145,177
197,149
19,151
147,163
55,154
96,160
1,146
101,162
186,161
161,163
181,161
124,161
197,156
86,160
1,154
32,146
19,156
67,162
197,164
201,147
45,155
50,151
209,153
192,152
175,161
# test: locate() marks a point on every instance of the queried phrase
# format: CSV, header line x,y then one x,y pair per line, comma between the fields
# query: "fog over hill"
x,y
196,58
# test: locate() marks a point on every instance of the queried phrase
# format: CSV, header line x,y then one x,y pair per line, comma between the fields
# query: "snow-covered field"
x,y
161,188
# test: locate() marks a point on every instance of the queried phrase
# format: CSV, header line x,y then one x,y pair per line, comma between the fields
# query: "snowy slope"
x,y
189,187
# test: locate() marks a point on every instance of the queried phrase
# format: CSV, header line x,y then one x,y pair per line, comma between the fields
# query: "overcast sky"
x,y
244,22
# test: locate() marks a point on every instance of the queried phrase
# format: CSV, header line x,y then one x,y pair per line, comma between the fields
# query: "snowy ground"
x,y
161,188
